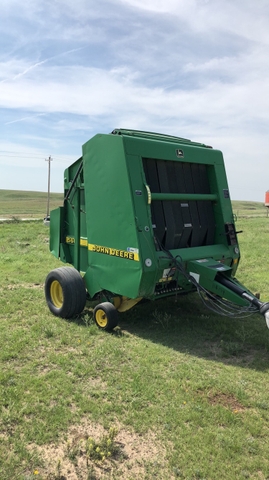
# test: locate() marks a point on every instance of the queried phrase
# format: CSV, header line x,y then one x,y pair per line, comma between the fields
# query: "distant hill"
x,y
19,203
24,204
249,209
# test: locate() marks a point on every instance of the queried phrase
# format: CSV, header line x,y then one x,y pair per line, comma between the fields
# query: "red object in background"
x,y
266,201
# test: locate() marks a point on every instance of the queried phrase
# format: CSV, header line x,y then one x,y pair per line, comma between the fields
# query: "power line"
x,y
21,155
35,157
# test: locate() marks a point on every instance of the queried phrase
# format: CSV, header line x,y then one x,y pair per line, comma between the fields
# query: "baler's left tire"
x,y
105,316
65,292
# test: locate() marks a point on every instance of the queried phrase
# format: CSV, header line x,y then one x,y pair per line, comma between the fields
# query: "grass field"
x,y
249,209
175,392
20,204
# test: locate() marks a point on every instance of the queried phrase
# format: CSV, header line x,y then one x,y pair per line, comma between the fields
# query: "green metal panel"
x,y
114,257
148,260
58,246
55,231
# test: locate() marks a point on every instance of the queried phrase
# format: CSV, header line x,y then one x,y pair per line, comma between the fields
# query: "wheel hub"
x,y
56,293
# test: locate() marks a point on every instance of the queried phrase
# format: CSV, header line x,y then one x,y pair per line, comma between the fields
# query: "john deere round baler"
x,y
147,216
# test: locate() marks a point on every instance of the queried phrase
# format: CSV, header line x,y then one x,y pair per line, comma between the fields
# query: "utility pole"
x,y
48,202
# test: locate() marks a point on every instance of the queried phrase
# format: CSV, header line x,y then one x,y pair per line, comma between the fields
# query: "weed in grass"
x,y
58,471
73,450
64,340
87,319
49,332
244,474
231,348
105,448
162,319
263,405
91,475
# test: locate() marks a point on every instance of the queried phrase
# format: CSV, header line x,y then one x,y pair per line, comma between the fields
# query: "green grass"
x,y
254,246
185,390
18,204
249,209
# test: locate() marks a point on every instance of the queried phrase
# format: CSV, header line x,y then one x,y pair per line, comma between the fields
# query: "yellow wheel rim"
x,y
56,293
101,318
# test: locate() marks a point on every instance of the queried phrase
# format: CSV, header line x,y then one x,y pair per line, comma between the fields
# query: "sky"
x,y
69,69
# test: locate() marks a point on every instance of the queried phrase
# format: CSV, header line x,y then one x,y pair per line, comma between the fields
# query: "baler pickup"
x,y
145,215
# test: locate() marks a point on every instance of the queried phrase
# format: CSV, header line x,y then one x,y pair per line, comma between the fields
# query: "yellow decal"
x,y
70,240
83,242
113,252
131,254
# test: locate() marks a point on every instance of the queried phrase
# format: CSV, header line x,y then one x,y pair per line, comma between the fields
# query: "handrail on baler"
x,y
184,196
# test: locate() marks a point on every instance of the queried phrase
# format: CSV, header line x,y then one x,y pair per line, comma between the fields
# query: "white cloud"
x,y
163,6
97,92
195,68
249,20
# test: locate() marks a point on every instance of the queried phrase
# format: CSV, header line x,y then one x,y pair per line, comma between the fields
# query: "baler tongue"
x,y
215,278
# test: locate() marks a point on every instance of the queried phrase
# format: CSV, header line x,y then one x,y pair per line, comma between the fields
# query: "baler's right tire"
x,y
65,292
105,316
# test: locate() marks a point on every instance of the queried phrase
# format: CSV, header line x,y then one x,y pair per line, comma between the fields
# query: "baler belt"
x,y
193,210
205,209
180,223
170,219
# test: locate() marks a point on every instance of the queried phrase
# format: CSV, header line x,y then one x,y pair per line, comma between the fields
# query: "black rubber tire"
x,y
65,292
105,316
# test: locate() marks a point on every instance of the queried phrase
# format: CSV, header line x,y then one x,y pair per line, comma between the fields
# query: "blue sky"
x,y
194,68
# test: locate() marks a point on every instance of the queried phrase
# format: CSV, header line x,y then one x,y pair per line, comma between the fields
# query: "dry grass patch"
x,y
226,400
135,456
19,286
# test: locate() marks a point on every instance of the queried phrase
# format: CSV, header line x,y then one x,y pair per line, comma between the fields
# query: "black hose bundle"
x,y
214,303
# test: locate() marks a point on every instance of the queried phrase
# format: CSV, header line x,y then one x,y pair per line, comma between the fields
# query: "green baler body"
x,y
135,199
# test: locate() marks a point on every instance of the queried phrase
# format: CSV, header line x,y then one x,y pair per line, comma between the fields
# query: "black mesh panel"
x,y
180,224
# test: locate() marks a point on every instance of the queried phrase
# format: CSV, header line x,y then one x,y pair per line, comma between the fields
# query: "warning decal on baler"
x,y
113,252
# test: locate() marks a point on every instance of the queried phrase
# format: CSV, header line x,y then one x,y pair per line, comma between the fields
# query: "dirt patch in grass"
x,y
226,400
18,286
137,457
